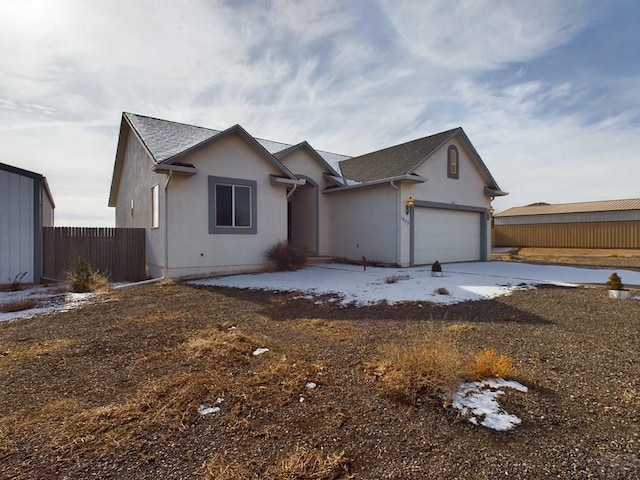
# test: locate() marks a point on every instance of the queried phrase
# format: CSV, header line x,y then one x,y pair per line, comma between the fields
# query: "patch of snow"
x,y
259,351
311,385
49,299
479,400
206,409
350,284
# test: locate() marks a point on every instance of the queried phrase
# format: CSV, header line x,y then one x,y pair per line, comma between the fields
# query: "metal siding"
x,y
569,235
16,227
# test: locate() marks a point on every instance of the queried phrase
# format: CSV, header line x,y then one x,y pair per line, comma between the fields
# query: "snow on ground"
x,y
462,281
49,299
479,401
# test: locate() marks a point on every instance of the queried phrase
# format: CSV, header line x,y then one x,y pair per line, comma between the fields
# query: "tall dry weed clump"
x,y
429,367
83,279
490,364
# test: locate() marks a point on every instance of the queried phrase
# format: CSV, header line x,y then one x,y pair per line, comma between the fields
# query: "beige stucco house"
x,y
214,201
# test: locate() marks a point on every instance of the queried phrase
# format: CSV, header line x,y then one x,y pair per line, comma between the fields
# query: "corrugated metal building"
x,y
603,224
26,205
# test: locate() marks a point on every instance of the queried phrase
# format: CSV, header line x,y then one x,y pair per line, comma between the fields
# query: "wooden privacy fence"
x,y
569,235
116,252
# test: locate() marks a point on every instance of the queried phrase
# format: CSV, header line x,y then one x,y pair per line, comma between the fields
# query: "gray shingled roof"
x,y
393,161
165,139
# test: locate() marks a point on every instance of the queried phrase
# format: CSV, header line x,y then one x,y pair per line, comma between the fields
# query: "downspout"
x,y
166,225
398,226
166,241
291,192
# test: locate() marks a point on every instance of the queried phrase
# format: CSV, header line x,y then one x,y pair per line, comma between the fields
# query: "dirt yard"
x,y
113,390
574,256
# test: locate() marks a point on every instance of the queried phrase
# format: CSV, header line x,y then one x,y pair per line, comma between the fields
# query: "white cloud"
x,y
481,34
347,77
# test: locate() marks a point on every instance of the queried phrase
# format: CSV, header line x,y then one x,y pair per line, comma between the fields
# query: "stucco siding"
x,y
303,165
365,222
136,181
16,227
468,189
193,251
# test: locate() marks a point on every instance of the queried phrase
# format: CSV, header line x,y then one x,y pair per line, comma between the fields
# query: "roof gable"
x,y
406,158
393,161
167,143
282,155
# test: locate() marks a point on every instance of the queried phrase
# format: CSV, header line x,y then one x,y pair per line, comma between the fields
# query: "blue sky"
x,y
547,91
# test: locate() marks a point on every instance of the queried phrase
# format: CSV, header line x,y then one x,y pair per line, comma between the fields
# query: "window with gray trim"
x,y
232,205
453,162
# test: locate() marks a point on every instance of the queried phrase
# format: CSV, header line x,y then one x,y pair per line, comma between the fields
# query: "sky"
x,y
547,91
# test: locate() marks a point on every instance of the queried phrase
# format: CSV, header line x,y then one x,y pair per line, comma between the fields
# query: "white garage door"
x,y
446,235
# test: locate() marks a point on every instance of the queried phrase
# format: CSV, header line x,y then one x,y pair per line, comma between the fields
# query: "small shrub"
x,y
615,282
514,253
16,283
83,279
436,267
442,291
428,368
285,257
18,305
396,278
490,364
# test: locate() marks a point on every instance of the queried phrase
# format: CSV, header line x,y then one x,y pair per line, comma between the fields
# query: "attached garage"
x,y
447,233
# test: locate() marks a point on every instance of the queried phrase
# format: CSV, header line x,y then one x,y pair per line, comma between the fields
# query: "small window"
x,y
155,208
453,162
232,205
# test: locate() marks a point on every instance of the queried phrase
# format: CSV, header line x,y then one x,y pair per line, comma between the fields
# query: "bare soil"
x,y
112,390
612,258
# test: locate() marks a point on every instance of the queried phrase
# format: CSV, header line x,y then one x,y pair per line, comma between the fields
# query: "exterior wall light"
x,y
409,205
490,210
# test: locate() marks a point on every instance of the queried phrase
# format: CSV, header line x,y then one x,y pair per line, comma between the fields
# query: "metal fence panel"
x,y
569,235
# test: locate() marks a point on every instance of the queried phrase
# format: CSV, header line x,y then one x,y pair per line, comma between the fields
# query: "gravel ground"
x,y
575,349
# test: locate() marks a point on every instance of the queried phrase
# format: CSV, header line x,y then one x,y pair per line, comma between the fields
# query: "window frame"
x,y
453,167
214,228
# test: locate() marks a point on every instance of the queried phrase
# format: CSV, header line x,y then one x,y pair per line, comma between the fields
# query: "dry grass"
x,y
489,364
428,366
301,464
18,305
18,354
219,469
309,464
460,328
164,405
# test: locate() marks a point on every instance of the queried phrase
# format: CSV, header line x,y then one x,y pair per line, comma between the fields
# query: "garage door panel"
x,y
446,235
